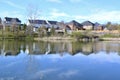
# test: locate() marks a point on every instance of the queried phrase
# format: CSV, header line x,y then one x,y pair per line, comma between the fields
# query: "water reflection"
x,y
13,48
53,60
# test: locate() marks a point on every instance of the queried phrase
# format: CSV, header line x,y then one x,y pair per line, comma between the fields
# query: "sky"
x,y
101,11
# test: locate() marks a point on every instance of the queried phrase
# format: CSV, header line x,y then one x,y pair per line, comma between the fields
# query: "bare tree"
x,y
33,14
14,27
3,27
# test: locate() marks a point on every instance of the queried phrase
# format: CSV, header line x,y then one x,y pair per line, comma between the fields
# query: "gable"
x,y
75,25
87,23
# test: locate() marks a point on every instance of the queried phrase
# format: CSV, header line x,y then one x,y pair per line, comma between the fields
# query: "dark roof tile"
x,y
75,23
53,22
97,24
87,23
10,19
37,21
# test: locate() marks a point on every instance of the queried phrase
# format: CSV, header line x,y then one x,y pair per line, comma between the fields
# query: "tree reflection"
x,y
13,48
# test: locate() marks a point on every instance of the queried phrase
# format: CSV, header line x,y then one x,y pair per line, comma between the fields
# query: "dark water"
x,y
59,60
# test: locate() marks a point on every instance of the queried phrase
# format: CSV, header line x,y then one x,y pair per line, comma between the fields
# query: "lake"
x,y
59,60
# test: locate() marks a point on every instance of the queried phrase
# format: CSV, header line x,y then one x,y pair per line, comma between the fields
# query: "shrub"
x,y
77,35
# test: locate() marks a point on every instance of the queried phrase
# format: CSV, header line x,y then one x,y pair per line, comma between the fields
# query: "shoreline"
x,y
71,39
110,39
55,39
67,38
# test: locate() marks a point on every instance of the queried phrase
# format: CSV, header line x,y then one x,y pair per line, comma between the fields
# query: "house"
x,y
98,26
12,21
87,25
61,27
52,24
74,25
41,23
37,23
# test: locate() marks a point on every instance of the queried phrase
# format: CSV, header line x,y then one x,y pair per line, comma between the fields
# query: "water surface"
x,y
59,60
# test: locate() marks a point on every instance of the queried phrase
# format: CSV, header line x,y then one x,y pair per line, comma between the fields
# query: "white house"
x,y
41,23
37,23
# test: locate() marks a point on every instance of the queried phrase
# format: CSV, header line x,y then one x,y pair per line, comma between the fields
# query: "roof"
x,y
10,19
43,22
75,23
97,24
87,23
37,21
61,25
68,27
53,22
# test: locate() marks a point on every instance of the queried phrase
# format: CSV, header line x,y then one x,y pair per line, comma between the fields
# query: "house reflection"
x,y
13,48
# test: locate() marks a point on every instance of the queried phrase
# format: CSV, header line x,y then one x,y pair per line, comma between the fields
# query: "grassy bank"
x,y
75,36
55,38
110,39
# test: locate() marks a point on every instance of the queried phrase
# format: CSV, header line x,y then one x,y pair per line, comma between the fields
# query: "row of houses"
x,y
59,26
72,25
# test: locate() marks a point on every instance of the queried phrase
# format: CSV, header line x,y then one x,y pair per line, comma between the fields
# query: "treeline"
x,y
111,26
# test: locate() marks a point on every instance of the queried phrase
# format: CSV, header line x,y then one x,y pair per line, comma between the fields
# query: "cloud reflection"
x,y
68,74
102,57
42,73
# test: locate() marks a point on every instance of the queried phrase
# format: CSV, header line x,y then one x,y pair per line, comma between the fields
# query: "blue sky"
x,y
63,10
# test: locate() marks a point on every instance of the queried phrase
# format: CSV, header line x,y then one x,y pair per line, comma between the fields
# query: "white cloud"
x,y
43,73
75,1
97,16
14,14
11,14
68,74
56,1
13,4
56,14
104,16
59,14
60,1
101,57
